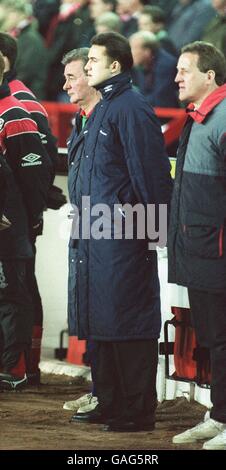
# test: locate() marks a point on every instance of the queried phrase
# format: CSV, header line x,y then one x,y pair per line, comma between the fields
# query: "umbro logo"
x,y
31,160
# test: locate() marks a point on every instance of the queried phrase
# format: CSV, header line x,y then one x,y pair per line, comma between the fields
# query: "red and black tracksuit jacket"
x,y
20,91
30,178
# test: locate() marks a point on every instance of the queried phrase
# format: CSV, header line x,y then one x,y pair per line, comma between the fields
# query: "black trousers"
x,y
126,379
16,312
34,291
208,312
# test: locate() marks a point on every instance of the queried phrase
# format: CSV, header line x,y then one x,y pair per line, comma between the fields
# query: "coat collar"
x,y
207,105
115,85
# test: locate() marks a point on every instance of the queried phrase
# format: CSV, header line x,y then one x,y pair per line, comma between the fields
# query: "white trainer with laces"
x,y
217,443
203,430
74,405
88,406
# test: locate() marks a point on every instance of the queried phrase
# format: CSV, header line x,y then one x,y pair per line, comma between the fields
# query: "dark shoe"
x,y
12,382
93,417
33,378
128,426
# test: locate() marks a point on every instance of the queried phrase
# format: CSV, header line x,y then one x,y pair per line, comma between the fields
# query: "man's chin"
x,y
91,82
182,97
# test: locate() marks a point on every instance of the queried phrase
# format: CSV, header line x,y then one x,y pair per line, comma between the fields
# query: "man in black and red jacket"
x,y
28,183
2,186
8,47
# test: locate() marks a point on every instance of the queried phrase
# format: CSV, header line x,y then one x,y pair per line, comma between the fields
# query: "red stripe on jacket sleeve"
x,y
20,126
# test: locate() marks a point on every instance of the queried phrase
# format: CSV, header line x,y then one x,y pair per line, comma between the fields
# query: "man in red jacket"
x,y
29,179
8,47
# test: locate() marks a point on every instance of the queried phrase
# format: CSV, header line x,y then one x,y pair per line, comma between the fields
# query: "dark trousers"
x,y
34,291
16,312
92,354
126,379
208,312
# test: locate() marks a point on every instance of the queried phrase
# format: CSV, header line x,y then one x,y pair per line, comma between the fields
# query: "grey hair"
x,y
76,54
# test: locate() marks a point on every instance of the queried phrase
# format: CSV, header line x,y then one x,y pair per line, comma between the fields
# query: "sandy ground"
x,y
34,419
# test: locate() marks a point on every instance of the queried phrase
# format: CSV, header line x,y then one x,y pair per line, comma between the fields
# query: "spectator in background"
x,y
46,12
188,20
153,19
215,30
28,185
32,60
154,70
108,22
97,8
8,47
197,235
166,5
129,11
72,28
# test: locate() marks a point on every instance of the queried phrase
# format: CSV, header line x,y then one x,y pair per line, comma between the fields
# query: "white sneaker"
x,y
217,443
206,415
74,405
89,406
203,430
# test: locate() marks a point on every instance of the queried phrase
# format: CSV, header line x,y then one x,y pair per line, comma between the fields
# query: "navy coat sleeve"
x,y
147,162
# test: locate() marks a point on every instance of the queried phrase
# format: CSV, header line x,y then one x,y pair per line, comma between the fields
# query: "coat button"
x,y
80,261
87,156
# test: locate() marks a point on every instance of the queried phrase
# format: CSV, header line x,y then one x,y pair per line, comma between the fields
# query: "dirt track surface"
x,y
34,419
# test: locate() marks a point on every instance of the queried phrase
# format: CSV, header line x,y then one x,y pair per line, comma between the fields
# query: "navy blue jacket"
x,y
124,161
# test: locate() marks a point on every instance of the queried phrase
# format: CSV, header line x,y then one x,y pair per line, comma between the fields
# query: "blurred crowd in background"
x,y
157,29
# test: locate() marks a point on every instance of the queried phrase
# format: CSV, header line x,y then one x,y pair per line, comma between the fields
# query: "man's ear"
x,y
115,67
211,75
7,64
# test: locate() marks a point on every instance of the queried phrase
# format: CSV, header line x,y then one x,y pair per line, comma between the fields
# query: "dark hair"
x,y
155,13
117,48
8,47
209,58
2,67
76,54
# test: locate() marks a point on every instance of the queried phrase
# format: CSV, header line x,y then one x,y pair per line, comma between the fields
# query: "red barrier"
x,y
61,116
191,362
60,119
174,126
184,345
76,349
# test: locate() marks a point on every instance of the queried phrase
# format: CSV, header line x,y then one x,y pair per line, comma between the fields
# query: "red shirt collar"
x,y
83,113
207,105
